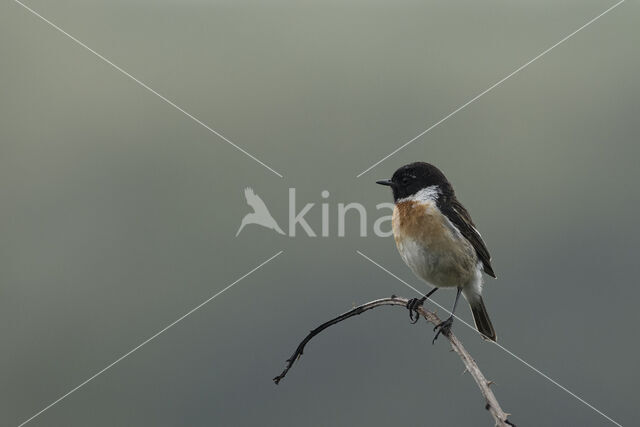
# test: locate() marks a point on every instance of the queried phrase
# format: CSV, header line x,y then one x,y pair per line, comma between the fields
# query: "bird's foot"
x,y
413,305
443,328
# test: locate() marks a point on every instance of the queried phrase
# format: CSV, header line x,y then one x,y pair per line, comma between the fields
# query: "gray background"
x,y
119,213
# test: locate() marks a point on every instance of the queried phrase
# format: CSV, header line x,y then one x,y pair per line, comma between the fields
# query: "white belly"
x,y
438,268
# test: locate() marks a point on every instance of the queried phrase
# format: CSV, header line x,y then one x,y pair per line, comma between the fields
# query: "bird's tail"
x,y
481,318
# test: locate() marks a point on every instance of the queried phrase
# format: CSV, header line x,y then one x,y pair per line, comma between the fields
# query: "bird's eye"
x,y
405,180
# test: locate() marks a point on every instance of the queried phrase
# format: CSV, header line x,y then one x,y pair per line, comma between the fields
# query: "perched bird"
x,y
260,214
437,239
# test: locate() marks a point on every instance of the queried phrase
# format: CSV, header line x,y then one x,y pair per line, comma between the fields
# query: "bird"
x,y
437,239
260,214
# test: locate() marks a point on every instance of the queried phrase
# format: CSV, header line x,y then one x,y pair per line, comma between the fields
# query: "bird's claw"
x,y
413,305
443,328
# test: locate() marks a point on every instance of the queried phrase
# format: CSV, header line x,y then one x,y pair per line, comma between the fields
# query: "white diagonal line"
x,y
493,86
506,350
144,85
119,359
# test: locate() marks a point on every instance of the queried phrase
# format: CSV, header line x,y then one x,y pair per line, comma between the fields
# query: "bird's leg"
x,y
445,326
414,303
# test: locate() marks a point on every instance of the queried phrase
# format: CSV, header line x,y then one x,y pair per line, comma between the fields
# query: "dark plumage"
x,y
459,216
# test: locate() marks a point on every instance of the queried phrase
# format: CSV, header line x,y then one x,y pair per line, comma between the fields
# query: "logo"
x,y
262,217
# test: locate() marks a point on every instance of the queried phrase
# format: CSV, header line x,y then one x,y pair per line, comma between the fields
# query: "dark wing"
x,y
459,216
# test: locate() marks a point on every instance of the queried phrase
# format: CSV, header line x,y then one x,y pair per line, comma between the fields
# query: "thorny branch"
x,y
491,405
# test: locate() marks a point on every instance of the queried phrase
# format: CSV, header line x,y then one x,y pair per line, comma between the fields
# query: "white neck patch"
x,y
428,194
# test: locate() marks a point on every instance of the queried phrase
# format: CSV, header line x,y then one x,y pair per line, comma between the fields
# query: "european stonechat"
x,y
437,239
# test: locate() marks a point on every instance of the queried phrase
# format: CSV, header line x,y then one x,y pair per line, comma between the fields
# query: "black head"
x,y
411,178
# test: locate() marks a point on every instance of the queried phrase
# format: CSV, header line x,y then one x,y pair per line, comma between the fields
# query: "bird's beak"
x,y
386,182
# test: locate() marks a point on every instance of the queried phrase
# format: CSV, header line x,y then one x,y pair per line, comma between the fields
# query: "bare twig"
x,y
470,365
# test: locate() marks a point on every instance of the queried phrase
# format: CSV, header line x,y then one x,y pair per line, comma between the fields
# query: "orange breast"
x,y
431,246
421,221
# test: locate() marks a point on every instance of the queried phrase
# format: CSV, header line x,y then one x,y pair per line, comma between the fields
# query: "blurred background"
x,y
119,213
